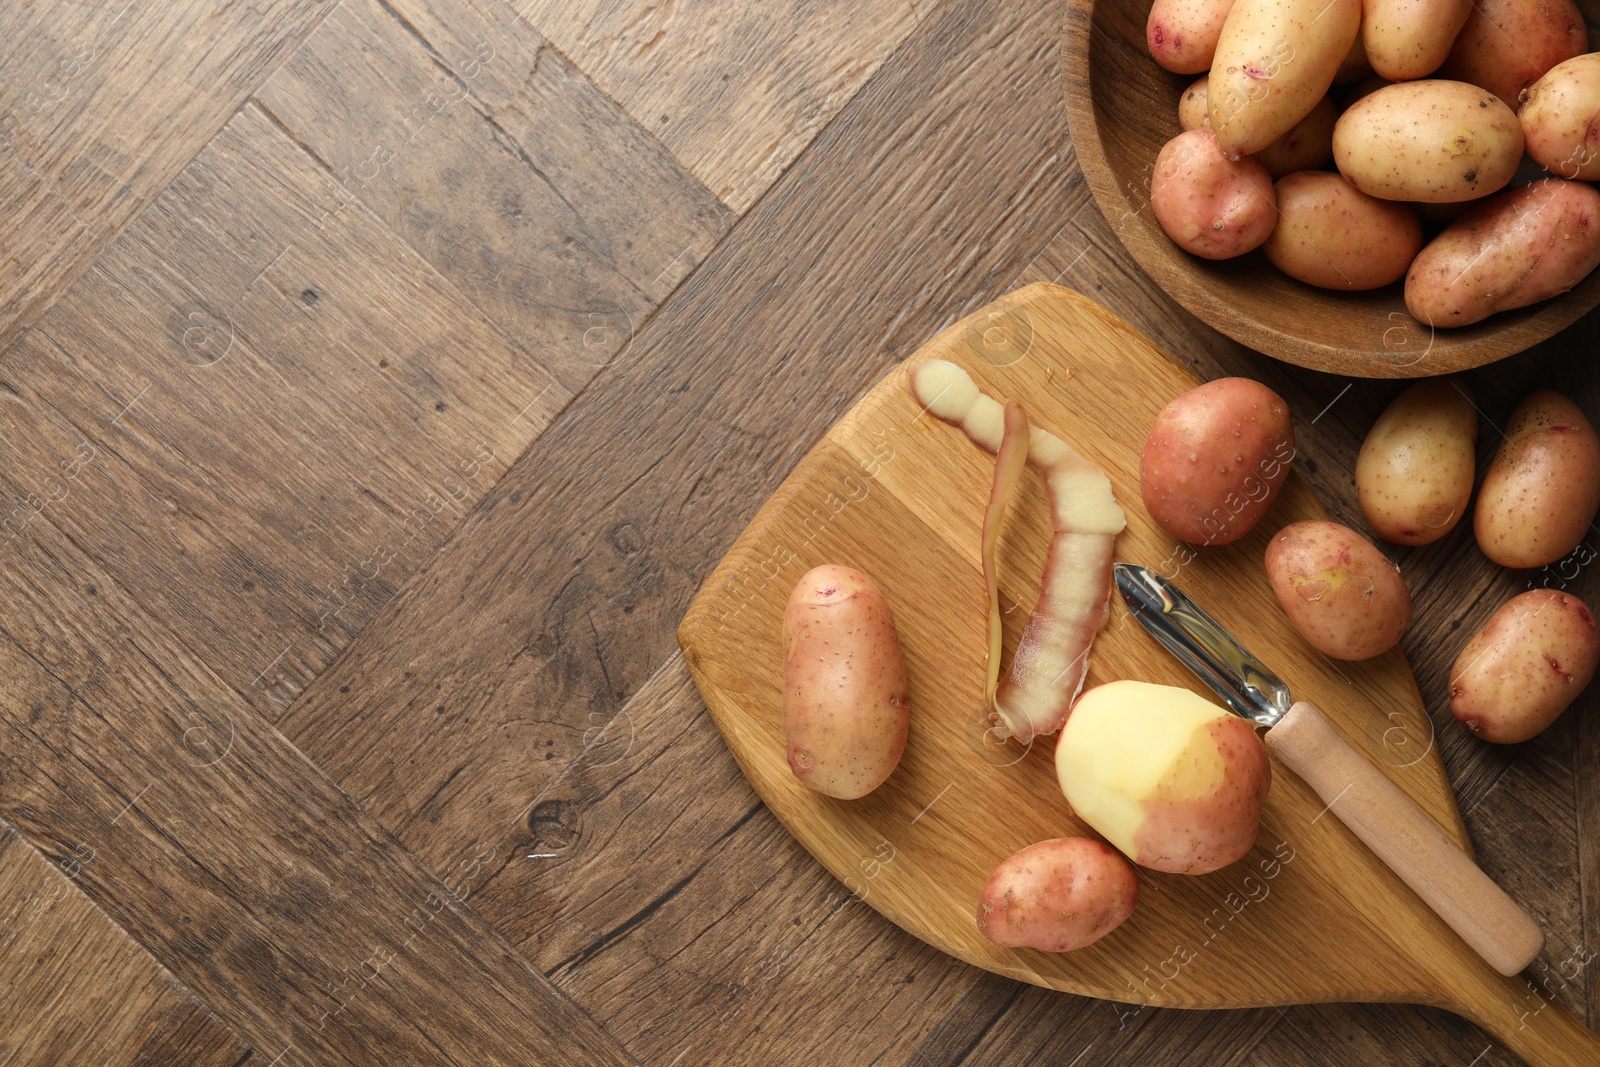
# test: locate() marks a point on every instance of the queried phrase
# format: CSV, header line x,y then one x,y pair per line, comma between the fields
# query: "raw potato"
x,y
1530,660
1433,141
1507,45
1193,111
1331,234
1210,205
1520,247
1407,39
1215,459
846,706
1543,486
1306,147
1170,778
1339,591
1415,471
1561,119
1058,895
1182,34
1275,60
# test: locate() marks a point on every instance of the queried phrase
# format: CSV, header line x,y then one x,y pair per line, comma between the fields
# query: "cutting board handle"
x,y
1404,837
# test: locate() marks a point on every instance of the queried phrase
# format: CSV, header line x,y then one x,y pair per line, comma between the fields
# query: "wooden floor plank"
x,y
723,934
101,105
503,167
292,447
736,91
1338,1035
237,863
655,467
75,988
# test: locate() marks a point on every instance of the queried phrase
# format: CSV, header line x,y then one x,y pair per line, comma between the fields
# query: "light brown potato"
x,y
1275,60
1182,34
1331,234
1542,487
1355,66
1173,780
1561,119
1193,114
1208,204
1432,141
846,702
1306,147
1516,249
1415,471
1058,895
1339,591
1507,45
1215,459
1532,658
1409,39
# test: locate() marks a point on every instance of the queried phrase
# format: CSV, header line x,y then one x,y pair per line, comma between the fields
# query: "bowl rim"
x,y
1503,335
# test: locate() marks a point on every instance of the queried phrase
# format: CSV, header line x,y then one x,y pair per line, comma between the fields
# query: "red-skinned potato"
x,y
1532,658
1214,460
1340,592
1170,778
1560,118
846,708
1058,895
1518,248
1415,471
1507,45
1182,34
1212,206
1542,487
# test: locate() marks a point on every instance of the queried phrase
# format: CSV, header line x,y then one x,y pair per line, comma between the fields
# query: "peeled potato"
x,y
1170,778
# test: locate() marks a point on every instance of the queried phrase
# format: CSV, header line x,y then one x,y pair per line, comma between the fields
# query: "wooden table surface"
x,y
380,380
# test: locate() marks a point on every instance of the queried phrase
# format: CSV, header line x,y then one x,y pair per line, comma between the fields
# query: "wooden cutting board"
x,y
1308,916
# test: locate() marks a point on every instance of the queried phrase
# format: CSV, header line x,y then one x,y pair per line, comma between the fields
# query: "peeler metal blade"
x,y
1245,684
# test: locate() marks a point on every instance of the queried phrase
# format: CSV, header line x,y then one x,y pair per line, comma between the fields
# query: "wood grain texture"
x,y
74,988
735,91
1455,588
1122,108
892,482
503,167
536,649
230,857
268,449
674,896
100,107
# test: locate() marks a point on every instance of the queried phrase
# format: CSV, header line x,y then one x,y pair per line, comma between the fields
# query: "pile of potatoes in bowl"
x,y
1423,109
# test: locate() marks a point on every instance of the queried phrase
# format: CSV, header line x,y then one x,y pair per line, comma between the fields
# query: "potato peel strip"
x,y
1013,455
1052,659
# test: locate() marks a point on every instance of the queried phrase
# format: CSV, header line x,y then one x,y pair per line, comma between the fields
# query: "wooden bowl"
x,y
1122,107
